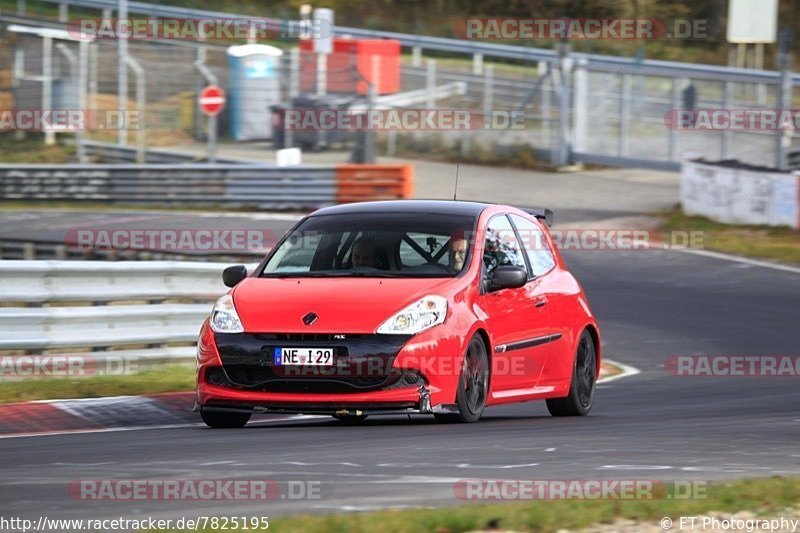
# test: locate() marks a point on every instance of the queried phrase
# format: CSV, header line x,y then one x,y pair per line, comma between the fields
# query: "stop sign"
x,y
211,100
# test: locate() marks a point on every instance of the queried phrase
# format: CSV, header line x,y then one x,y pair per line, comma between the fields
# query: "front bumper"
x,y
404,374
329,406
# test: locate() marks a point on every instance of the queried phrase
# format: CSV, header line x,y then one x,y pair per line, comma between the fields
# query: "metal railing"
x,y
114,153
261,186
443,44
577,107
43,313
45,249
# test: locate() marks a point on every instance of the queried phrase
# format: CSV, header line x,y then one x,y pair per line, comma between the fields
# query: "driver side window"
x,y
501,246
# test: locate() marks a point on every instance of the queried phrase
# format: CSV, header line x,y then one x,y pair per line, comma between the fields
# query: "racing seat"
x,y
381,260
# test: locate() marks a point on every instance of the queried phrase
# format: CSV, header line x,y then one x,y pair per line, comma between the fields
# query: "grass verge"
x,y
763,242
31,149
166,378
762,496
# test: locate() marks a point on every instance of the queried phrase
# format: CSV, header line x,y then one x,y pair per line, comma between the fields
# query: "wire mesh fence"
x,y
593,111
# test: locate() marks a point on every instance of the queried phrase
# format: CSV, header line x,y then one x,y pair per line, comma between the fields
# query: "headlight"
x,y
224,318
419,316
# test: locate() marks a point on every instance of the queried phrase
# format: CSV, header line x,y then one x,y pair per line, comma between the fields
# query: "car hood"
x,y
346,305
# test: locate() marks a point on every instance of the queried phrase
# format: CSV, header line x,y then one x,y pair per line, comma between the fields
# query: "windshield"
x,y
401,245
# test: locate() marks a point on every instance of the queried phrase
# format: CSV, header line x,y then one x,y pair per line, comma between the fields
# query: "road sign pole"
x,y
212,102
122,74
212,139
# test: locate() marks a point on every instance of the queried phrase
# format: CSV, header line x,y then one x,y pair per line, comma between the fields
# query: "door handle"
x,y
541,302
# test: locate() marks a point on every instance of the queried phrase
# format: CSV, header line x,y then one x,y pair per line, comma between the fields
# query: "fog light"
x,y
217,377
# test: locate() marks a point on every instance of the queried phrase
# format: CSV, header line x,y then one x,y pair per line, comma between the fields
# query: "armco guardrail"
x,y
734,193
268,187
114,153
42,249
47,282
57,324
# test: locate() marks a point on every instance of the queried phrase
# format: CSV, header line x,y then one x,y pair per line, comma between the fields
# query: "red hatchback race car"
x,y
400,307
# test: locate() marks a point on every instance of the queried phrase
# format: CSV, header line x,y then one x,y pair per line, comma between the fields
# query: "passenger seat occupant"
x,y
365,251
458,250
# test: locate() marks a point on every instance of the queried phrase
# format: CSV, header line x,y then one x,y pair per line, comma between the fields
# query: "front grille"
x,y
324,337
361,361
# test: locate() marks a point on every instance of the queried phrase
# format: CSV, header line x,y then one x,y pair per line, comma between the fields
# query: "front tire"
x,y
584,382
214,419
473,385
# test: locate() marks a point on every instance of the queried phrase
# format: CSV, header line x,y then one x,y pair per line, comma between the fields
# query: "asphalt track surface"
x,y
55,226
655,426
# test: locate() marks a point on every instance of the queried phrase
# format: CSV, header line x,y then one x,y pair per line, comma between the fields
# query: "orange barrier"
x,y
358,183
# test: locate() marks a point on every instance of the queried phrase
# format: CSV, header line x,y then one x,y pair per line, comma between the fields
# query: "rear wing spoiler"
x,y
541,214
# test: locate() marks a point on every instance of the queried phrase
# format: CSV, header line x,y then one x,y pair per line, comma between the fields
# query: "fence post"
x,y
624,115
322,73
545,69
673,131
580,117
294,90
17,74
294,72
92,90
369,137
783,137
141,156
477,64
76,75
20,8
416,56
560,154
122,75
488,91
430,84
391,143
47,84
725,136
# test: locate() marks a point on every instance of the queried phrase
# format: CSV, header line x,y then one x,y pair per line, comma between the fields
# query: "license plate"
x,y
303,356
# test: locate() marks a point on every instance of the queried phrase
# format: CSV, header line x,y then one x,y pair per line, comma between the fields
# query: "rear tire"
x,y
473,385
584,382
214,419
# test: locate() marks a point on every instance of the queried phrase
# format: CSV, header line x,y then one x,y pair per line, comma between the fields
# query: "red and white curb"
x,y
102,415
133,413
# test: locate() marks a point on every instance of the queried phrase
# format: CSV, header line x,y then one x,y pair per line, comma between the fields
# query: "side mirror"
x,y
508,277
233,275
